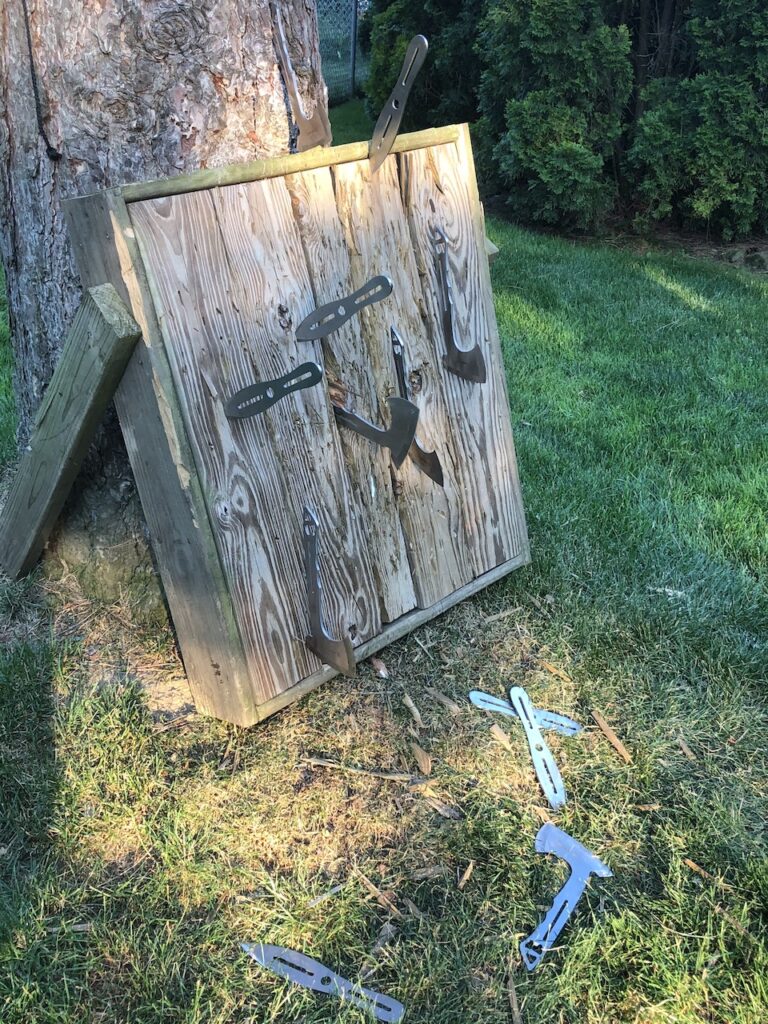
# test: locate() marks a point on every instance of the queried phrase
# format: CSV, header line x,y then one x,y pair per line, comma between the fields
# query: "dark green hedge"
x,y
654,109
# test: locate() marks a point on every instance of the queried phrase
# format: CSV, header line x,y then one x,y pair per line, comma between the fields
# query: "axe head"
x,y
339,654
583,863
468,365
404,416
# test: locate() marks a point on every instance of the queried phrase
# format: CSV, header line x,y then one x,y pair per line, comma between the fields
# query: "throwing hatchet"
x,y
315,130
469,365
427,462
336,653
583,864
398,436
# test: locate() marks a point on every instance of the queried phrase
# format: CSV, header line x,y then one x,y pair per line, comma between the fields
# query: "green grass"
x,y
350,123
133,862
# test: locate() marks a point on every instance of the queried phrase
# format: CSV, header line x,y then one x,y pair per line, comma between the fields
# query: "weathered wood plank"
x,y
276,167
351,379
439,191
229,282
379,242
162,463
94,356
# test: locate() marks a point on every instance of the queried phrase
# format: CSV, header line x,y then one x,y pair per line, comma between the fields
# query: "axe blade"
x,y
404,417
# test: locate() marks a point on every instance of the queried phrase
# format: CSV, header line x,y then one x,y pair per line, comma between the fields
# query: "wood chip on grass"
x,y
611,736
381,897
466,875
423,759
555,671
415,713
451,705
500,736
685,748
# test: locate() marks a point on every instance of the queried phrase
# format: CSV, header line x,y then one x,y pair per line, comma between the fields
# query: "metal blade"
x,y
311,974
544,763
332,315
545,719
467,364
339,654
262,396
427,462
398,436
388,124
315,130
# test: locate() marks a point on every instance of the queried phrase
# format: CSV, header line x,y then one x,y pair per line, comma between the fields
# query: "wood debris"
x,y
323,762
685,748
386,935
501,615
555,671
411,907
431,871
434,800
541,813
500,736
517,1017
381,897
467,874
611,736
647,807
415,713
451,705
379,668
423,759
734,922
693,866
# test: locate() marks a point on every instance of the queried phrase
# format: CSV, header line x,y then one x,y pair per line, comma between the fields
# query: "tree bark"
x,y
129,90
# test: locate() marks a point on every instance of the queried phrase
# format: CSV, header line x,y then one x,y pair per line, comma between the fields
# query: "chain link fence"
x,y
345,66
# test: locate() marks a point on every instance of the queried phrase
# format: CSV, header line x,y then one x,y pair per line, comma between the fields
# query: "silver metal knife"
x,y
544,763
332,315
385,132
257,398
303,970
545,719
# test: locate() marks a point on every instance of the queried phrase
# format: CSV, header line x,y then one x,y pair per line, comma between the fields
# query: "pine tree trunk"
x,y
129,90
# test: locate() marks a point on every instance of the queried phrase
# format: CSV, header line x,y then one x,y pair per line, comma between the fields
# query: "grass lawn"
x,y
133,861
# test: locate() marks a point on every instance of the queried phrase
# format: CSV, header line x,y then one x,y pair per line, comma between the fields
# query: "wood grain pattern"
x,y
351,379
170,492
439,190
94,356
379,242
229,281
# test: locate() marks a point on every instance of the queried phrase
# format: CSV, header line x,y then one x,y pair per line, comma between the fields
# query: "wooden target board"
x,y
219,268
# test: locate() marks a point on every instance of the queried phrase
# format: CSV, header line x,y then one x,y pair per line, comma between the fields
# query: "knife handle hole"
x,y
396,104
270,393
539,747
342,311
326,981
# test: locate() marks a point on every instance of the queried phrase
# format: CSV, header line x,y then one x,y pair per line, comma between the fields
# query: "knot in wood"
x,y
284,317
415,381
174,28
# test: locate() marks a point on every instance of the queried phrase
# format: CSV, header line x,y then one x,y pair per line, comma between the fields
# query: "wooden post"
x,y
95,354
